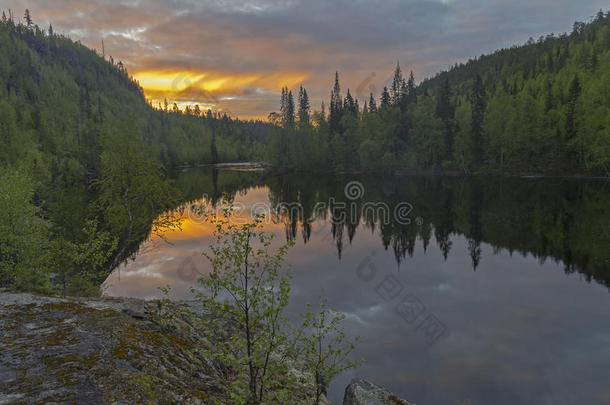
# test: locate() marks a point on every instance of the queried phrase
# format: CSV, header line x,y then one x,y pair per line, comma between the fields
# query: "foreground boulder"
x,y
361,392
97,351
112,351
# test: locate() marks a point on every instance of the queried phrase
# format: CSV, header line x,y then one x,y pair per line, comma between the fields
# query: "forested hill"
x,y
540,108
84,159
60,95
546,103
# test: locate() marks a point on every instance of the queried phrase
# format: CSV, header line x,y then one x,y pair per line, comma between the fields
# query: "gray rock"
x,y
98,350
361,392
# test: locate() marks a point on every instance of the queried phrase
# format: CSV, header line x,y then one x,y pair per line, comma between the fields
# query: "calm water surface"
x,y
485,291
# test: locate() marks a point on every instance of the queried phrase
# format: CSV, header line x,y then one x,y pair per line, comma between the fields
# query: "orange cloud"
x,y
211,89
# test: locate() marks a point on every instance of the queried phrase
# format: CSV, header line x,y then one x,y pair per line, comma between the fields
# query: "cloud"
x,y
255,47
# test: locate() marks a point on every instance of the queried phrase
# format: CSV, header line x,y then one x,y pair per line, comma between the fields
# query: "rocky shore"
x,y
112,351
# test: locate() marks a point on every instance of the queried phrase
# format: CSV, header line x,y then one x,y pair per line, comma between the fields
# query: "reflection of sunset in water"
x,y
175,257
495,316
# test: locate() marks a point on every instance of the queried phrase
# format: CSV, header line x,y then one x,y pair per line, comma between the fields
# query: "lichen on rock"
x,y
97,351
362,392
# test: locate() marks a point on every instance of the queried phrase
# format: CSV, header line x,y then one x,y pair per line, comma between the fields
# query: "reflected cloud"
x,y
520,329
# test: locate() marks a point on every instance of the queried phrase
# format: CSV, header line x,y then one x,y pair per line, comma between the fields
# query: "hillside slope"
x,y
540,108
546,103
84,159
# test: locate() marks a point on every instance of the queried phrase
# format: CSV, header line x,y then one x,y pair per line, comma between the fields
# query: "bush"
x,y
23,235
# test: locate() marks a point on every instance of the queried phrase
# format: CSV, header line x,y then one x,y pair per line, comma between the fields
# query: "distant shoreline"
x,y
402,173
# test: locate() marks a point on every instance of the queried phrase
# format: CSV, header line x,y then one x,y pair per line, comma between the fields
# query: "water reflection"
x,y
487,258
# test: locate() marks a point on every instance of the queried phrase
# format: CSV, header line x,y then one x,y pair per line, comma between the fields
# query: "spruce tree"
x,y
395,91
285,109
349,105
283,102
385,98
304,107
289,119
404,95
28,18
336,107
411,96
372,104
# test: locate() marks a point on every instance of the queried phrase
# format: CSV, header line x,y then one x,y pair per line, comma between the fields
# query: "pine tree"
x,y
411,96
372,104
395,91
336,107
50,30
404,95
287,109
284,105
28,18
288,117
349,105
385,98
304,108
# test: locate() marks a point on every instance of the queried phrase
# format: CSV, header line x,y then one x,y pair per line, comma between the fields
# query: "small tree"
x,y
134,190
28,18
249,289
81,266
248,286
23,235
324,347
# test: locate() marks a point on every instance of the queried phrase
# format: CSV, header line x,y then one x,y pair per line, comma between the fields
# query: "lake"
x,y
462,290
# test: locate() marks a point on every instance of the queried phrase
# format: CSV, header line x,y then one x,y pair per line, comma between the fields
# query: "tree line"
x,y
85,159
538,108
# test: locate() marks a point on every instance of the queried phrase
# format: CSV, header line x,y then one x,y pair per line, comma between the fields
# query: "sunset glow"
x,y
210,89
235,56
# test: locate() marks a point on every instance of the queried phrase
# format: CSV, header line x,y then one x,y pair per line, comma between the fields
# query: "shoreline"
x,y
399,172
116,350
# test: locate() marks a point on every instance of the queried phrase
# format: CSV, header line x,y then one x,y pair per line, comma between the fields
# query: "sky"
x,y
235,56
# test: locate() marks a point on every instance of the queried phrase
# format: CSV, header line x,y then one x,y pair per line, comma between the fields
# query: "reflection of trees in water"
x,y
542,217
476,231
561,220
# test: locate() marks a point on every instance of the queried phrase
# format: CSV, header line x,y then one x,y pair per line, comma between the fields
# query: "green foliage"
x,y
538,108
23,235
256,290
324,347
95,154
133,190
249,289
80,267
